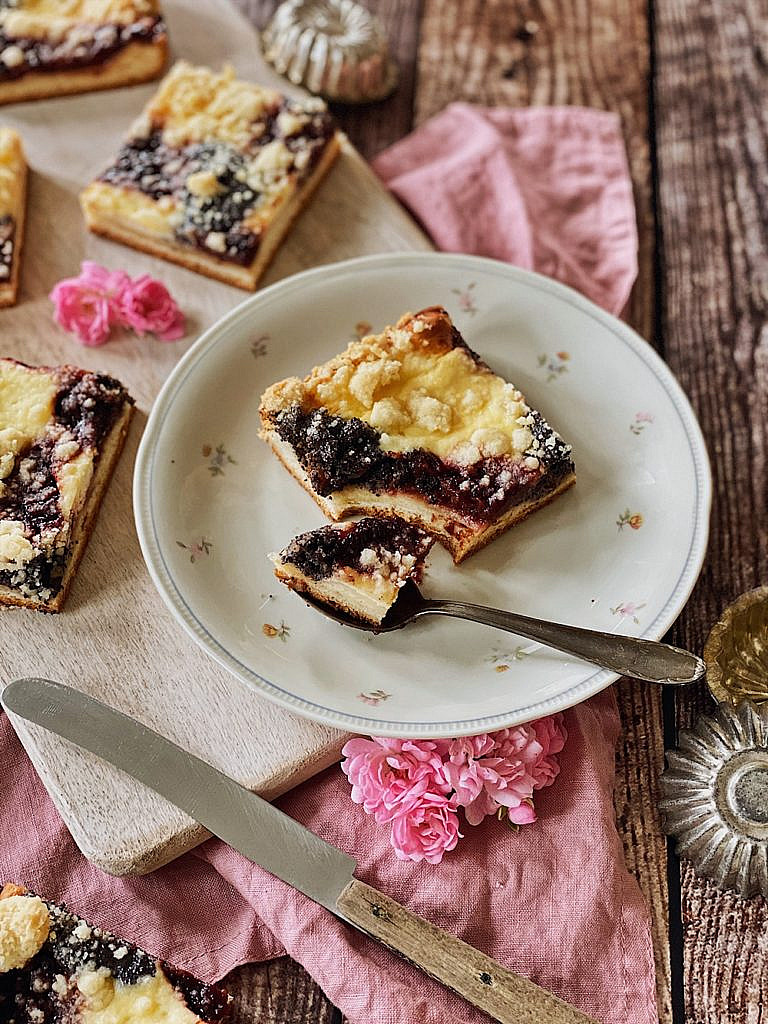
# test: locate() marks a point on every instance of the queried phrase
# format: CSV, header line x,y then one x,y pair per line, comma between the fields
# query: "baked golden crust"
x,y
61,432
411,422
13,204
60,47
213,173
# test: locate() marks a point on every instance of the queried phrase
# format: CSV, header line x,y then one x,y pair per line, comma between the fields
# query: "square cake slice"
x,y
358,567
411,422
59,47
61,432
13,202
213,173
55,968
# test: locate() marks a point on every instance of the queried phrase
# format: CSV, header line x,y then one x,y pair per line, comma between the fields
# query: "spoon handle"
x,y
626,655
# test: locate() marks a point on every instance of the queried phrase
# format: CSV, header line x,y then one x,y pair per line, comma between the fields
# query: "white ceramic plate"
x,y
620,551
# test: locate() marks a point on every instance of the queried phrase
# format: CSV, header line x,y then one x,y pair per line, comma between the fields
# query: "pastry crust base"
x,y
458,536
9,289
333,591
85,519
205,263
135,63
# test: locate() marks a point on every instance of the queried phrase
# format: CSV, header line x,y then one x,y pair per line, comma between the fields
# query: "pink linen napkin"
x,y
553,901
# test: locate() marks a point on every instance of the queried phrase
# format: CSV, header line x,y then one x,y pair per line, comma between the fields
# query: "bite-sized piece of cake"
x,y
13,203
411,422
213,173
55,968
61,432
356,567
59,47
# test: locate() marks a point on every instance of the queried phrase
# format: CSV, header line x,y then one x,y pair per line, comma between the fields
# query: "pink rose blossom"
x,y
419,785
146,305
428,830
90,304
390,776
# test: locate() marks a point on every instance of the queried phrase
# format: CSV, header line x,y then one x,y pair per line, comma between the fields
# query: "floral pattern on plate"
x,y
628,610
218,459
196,548
640,422
555,366
634,520
466,298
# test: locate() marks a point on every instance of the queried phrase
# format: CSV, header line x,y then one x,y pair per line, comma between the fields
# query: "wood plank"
x,y
521,54
712,131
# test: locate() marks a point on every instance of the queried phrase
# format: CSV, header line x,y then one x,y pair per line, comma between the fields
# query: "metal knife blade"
x,y
227,809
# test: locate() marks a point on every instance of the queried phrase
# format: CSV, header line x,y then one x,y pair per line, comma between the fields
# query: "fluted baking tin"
x,y
332,47
715,797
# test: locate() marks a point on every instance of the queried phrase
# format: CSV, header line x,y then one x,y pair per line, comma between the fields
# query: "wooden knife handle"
x,y
507,997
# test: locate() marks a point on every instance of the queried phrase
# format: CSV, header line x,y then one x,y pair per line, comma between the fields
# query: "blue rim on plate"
x,y
172,594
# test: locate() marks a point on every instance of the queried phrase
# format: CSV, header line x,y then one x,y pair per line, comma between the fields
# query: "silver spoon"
x,y
625,655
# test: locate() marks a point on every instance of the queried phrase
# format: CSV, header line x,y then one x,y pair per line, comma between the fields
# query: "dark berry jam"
x,y
336,452
83,46
320,552
89,404
35,993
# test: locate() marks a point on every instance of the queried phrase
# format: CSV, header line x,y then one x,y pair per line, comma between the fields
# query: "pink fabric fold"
x,y
545,188
542,188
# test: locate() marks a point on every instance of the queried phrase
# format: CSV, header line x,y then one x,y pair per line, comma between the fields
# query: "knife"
x,y
284,848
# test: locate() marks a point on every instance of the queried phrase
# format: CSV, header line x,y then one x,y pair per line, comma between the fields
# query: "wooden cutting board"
x,y
115,639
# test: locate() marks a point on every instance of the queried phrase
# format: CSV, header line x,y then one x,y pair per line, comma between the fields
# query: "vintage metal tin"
x,y
736,652
715,797
335,48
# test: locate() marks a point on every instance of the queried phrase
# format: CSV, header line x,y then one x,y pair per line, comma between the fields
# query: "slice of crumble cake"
x,y
58,47
61,432
411,422
55,968
357,567
213,174
13,203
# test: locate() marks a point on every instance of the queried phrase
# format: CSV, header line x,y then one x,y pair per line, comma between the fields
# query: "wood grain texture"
x,y
712,138
505,996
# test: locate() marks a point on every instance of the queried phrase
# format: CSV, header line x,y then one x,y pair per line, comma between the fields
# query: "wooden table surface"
x,y
688,78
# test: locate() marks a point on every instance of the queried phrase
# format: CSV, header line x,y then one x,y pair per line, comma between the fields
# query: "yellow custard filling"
x,y
151,1000
418,390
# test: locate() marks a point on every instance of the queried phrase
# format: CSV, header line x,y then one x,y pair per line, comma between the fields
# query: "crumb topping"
x,y
389,550
24,927
216,156
420,387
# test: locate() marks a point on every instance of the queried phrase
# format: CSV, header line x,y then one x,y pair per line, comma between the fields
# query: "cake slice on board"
x,y
213,174
58,47
61,432
411,422
55,968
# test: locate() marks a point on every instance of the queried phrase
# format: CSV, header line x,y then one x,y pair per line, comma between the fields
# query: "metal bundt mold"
x,y
335,48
